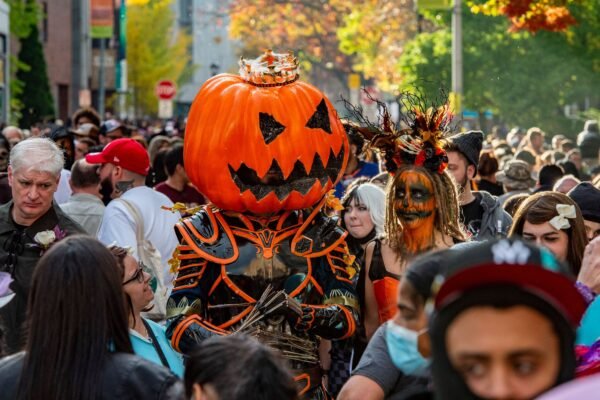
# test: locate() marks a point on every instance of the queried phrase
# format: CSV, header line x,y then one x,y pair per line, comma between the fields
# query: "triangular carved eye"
x,y
320,119
269,127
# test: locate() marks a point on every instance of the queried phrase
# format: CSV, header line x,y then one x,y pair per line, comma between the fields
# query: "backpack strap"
x,y
137,219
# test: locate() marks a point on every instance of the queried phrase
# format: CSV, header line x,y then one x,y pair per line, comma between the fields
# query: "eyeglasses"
x,y
138,276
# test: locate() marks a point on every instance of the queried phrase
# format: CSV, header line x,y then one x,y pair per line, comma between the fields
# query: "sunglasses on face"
x,y
138,276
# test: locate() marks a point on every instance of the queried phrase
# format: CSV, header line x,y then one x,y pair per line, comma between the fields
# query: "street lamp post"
x,y
457,56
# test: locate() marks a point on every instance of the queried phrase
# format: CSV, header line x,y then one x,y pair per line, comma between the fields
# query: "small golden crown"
x,y
270,69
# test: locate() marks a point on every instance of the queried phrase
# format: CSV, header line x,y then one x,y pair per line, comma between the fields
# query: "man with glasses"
x,y
29,224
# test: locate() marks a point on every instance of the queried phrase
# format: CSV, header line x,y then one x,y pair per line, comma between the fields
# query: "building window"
x,y
185,12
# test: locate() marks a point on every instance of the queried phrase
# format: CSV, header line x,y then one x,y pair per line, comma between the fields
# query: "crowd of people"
x,y
437,265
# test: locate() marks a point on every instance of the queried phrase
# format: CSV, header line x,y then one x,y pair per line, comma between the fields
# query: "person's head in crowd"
x,y
82,147
64,139
111,130
527,156
504,323
84,178
124,164
141,140
515,175
557,141
589,147
86,115
566,183
587,198
463,157
173,161
552,220
237,367
406,339
558,156
33,174
595,172
382,179
4,153
535,139
158,143
66,344
547,177
87,131
159,171
135,283
512,204
575,157
567,145
13,134
363,215
355,140
547,157
568,167
502,149
488,166
514,137
421,205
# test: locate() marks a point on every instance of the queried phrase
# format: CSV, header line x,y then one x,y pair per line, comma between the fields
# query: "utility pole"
x,y
457,56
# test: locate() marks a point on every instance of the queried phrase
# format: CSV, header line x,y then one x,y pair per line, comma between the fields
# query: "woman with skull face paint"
x,y
422,211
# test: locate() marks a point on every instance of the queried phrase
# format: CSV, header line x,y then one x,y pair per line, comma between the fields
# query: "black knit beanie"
x,y
469,144
587,197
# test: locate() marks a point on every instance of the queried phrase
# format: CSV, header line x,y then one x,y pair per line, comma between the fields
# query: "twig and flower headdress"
x,y
420,143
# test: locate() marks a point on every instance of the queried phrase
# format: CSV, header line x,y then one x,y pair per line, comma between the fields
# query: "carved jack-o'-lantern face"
x,y
415,200
263,149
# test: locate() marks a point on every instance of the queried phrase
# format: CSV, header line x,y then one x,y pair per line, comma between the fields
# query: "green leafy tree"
x,y
35,97
24,15
524,78
155,51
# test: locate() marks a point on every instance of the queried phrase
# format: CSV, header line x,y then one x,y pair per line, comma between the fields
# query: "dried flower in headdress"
x,y
420,144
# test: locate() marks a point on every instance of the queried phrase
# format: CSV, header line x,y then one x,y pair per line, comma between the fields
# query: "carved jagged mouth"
x,y
299,180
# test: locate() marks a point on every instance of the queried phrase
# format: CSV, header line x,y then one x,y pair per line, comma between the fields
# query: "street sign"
x,y
165,90
165,109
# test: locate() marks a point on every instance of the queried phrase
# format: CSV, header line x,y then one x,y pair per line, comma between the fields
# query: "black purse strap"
x,y
155,343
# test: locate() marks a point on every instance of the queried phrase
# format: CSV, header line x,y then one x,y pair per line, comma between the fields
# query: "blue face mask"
x,y
402,347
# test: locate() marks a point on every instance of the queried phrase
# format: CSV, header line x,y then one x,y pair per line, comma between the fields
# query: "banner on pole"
x,y
102,16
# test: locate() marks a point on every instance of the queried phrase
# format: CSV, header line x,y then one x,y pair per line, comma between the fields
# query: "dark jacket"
x,y
124,376
492,213
18,255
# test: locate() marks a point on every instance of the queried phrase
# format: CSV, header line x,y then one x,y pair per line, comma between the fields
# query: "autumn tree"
x,y
307,27
375,32
155,51
525,78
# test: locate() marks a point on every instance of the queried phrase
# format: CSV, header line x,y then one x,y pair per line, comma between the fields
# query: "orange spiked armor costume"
x,y
263,258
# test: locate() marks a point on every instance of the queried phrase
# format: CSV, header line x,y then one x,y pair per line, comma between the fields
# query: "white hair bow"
x,y
564,211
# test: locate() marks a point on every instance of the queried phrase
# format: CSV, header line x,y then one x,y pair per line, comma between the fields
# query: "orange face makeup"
x,y
415,208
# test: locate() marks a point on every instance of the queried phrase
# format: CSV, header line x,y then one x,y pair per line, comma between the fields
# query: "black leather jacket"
x,y
125,377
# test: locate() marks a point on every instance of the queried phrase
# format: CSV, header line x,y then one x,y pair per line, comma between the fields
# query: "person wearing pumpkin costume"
x,y
422,211
262,258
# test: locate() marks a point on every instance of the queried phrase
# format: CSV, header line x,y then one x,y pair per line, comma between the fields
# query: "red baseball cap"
x,y
511,262
125,153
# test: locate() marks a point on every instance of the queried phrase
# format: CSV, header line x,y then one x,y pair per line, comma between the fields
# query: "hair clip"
x,y
565,212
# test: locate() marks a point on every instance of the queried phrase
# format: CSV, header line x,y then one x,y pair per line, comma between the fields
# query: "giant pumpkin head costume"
x,y
264,142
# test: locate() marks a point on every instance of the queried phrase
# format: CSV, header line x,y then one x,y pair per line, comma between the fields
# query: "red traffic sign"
x,y
165,90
